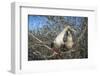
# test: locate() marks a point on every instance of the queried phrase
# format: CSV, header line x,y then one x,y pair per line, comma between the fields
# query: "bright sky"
x,y
36,21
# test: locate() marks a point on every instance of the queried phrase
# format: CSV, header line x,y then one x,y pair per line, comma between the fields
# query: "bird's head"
x,y
68,32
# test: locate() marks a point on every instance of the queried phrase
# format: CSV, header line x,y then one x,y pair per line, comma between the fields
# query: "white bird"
x,y
69,43
59,39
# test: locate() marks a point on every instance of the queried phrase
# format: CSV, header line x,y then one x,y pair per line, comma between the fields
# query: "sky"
x,y
36,21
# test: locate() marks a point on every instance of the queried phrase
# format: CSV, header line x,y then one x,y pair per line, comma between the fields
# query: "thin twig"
x,y
40,41
81,34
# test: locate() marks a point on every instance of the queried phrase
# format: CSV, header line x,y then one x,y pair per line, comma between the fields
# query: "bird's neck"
x,y
63,32
61,35
69,38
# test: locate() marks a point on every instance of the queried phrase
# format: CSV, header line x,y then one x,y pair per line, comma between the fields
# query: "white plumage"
x,y
69,43
59,39
58,42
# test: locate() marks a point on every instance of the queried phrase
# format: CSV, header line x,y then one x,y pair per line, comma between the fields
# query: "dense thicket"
x,y
49,31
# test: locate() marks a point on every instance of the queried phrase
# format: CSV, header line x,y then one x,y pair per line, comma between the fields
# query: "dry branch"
x,y
54,52
40,41
82,34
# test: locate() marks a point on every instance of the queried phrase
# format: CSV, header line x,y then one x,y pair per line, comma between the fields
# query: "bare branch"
x,y
82,34
42,42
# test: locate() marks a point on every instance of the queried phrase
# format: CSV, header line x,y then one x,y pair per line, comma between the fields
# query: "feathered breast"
x,y
59,39
69,43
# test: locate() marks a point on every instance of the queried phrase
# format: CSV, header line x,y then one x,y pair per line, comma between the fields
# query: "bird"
x,y
58,41
69,41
